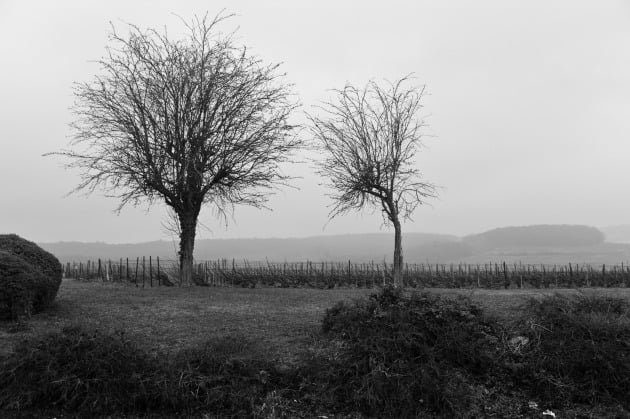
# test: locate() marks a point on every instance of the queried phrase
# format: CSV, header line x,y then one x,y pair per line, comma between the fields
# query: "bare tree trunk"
x,y
188,228
398,256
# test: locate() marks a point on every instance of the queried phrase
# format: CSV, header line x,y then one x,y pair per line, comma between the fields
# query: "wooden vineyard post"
x,y
143,271
127,270
150,272
136,278
349,276
506,280
588,270
120,270
158,270
477,275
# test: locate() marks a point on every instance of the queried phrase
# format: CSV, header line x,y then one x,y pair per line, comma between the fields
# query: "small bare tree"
x,y
368,139
190,122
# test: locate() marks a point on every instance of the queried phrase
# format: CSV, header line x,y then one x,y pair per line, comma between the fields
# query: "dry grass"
x,y
283,321
168,319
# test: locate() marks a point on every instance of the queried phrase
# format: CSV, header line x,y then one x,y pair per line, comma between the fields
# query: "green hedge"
x,y
44,286
20,286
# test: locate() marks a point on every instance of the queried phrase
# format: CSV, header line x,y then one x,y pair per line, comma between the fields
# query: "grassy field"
x,y
283,321
168,319
282,328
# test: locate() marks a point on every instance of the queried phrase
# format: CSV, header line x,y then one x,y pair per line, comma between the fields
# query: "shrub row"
x,y
391,355
402,354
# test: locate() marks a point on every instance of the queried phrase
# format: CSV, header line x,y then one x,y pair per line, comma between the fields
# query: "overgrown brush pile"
x,y
401,356
578,351
391,355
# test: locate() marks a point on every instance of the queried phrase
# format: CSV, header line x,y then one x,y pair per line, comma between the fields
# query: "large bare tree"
x,y
191,122
368,139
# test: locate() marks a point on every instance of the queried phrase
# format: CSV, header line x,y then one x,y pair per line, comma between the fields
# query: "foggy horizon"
x,y
384,232
527,113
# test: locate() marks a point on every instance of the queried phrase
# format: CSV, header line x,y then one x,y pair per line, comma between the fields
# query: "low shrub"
x,y
97,373
402,355
579,350
48,285
221,376
81,371
20,284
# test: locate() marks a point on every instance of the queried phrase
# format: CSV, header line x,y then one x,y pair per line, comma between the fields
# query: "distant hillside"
x,y
617,234
603,253
535,236
418,247
548,244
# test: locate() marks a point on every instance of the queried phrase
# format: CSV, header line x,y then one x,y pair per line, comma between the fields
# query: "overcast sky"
x,y
528,113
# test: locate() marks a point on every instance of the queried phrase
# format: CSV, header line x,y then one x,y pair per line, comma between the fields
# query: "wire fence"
x,y
153,271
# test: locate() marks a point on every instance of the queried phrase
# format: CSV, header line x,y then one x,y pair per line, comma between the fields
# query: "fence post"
x,y
143,271
477,274
505,275
150,271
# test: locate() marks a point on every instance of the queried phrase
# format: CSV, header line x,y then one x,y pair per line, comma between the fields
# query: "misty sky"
x,y
528,113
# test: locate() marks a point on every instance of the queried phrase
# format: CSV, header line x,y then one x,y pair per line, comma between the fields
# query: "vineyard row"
x,y
149,272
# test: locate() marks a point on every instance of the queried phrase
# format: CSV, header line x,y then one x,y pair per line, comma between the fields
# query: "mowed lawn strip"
x,y
282,321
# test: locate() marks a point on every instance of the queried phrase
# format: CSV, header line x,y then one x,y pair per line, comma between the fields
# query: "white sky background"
x,y
529,108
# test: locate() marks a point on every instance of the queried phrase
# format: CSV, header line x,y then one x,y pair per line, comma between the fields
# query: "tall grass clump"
x,y
579,350
402,356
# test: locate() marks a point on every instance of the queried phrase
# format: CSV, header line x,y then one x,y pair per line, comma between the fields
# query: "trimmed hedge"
x,y
19,284
43,277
